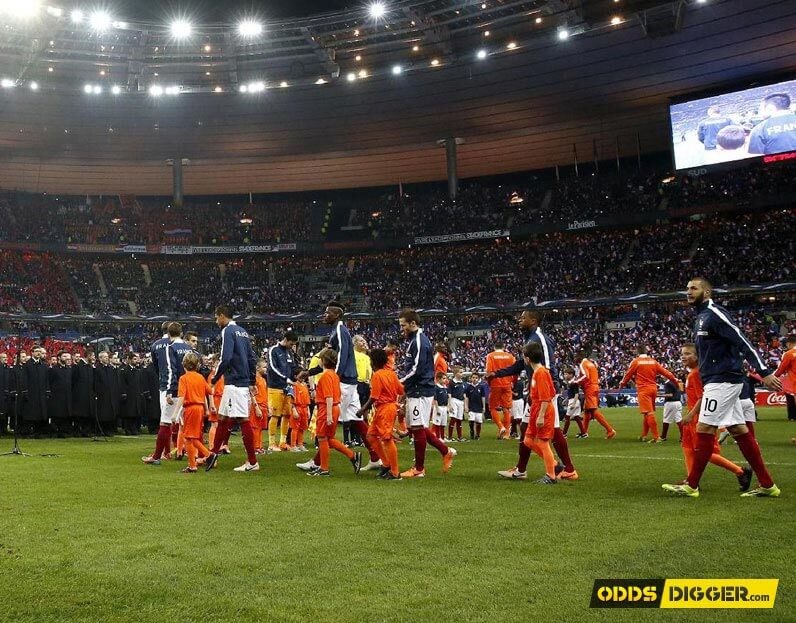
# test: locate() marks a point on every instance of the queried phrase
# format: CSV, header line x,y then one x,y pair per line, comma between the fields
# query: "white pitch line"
x,y
620,456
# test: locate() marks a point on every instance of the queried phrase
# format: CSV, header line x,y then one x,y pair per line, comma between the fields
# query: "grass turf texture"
x,y
95,535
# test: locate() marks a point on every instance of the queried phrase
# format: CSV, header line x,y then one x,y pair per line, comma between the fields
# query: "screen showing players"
x,y
755,122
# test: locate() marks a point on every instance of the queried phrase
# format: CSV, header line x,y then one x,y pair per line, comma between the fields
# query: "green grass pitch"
x,y
94,535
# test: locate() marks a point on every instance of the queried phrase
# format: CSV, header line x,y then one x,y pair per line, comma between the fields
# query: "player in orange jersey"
x,y
218,391
644,370
500,398
542,416
589,378
258,411
440,358
385,389
693,392
196,395
301,415
327,397
787,368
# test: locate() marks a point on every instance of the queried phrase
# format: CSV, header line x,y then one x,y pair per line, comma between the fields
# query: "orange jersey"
x,y
218,391
262,392
385,388
787,368
302,399
645,370
498,360
693,388
328,386
542,390
589,377
440,364
193,389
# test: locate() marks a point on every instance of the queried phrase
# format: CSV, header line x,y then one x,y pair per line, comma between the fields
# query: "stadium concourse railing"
x,y
310,317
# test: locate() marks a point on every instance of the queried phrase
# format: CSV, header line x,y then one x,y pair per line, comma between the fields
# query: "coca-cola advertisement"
x,y
770,399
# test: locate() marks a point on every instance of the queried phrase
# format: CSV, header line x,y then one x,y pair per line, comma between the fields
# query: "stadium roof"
x,y
344,100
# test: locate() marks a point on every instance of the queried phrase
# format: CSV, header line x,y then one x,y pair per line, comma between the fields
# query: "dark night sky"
x,y
225,10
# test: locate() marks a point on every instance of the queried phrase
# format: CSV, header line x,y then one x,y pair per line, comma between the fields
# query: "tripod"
x,y
17,393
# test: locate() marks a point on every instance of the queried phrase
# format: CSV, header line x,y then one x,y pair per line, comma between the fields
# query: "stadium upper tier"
x,y
517,205
342,101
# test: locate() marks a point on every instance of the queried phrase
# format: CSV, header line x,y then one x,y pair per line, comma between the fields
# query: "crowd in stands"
x,y
481,205
732,250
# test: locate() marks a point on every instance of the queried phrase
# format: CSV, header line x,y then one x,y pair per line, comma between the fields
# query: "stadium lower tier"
x,y
752,248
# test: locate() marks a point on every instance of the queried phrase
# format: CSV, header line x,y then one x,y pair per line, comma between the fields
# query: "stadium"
x,y
521,264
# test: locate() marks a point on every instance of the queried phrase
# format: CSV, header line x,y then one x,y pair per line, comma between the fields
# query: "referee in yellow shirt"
x,y
364,369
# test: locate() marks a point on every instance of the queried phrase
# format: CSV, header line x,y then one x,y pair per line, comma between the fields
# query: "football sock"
x,y
749,447
284,425
458,429
211,435
664,430
688,457
478,429
191,451
562,449
680,428
434,441
497,419
247,435
567,421
472,429
702,453
323,453
335,444
450,429
542,448
603,422
586,422
180,440
373,442
751,427
361,429
346,432
525,455
581,426
164,433
507,419
645,425
720,461
419,437
221,433
653,425
391,451
273,424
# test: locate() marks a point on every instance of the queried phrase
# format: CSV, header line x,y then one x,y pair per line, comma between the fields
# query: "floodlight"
x,y
99,21
250,28
481,54
377,10
181,29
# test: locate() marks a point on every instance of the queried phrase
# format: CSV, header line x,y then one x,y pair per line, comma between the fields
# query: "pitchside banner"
x,y
473,235
684,593
766,398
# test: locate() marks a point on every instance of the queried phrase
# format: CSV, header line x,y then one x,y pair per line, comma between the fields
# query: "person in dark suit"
x,y
35,389
59,404
83,394
107,392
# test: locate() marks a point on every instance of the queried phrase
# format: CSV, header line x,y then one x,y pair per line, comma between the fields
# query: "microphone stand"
x,y
16,450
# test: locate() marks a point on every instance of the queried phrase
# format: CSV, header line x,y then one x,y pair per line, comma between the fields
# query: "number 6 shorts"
x,y
418,411
721,405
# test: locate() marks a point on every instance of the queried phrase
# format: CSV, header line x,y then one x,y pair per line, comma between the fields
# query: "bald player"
x,y
500,398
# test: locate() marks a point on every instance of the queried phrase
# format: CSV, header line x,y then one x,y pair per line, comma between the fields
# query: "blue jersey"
x,y
775,135
456,389
177,349
238,363
418,367
722,348
441,395
160,361
548,351
475,397
709,129
281,367
340,340
672,391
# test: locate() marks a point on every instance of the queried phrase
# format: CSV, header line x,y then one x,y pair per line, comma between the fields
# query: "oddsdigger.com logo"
x,y
683,593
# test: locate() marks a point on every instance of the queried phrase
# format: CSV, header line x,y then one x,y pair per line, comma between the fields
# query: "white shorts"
x,y
418,410
573,407
349,403
440,418
526,413
456,408
476,417
748,408
235,403
672,412
517,409
169,414
721,406
554,404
